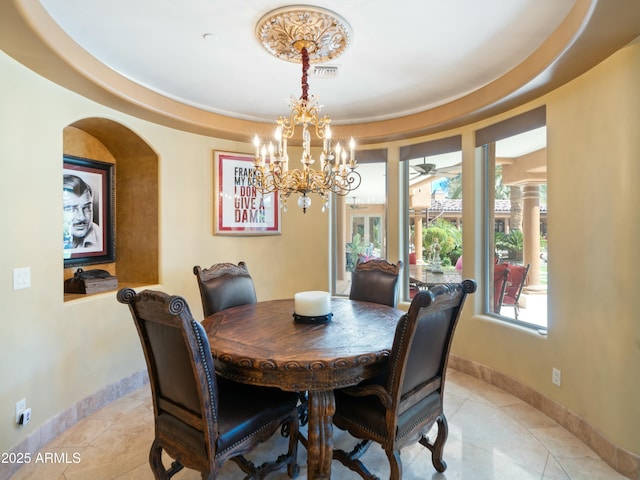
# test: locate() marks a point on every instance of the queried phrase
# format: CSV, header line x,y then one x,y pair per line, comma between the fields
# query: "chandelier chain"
x,y
305,76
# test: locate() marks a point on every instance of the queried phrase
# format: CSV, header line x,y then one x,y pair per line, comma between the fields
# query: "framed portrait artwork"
x,y
88,211
239,208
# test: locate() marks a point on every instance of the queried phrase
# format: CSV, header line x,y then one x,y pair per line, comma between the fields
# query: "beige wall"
x,y
595,259
55,353
594,225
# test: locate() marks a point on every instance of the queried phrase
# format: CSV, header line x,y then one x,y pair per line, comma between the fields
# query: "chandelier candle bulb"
x,y
327,139
352,147
312,304
256,143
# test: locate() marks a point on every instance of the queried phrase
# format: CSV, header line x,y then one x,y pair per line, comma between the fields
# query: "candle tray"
x,y
318,319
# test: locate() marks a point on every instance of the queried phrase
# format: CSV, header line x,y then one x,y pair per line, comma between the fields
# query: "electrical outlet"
x,y
25,417
556,376
21,406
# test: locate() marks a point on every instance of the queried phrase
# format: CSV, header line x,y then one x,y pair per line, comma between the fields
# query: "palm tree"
x,y
515,217
452,186
513,242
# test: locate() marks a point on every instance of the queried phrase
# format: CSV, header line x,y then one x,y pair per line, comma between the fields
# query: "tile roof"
x,y
452,205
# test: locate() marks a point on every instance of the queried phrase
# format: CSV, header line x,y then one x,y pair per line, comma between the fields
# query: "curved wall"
x,y
593,329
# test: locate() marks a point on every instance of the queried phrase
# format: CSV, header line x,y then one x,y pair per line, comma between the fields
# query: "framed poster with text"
x,y
239,208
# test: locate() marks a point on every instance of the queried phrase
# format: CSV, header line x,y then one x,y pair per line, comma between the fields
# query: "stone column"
x,y
515,216
531,230
417,238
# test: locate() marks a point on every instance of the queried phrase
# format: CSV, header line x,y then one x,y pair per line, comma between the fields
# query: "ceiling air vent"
x,y
325,71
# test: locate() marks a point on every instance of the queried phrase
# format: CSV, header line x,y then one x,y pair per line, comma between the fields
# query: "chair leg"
x,y
303,409
290,459
176,466
293,469
303,414
155,460
437,447
157,467
350,460
395,465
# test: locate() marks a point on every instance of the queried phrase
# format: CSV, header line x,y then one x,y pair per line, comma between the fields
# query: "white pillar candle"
x,y
312,304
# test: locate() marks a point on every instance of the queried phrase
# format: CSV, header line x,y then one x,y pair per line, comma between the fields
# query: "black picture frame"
x,y
88,227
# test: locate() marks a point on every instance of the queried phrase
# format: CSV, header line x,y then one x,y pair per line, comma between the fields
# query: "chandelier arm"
x,y
347,182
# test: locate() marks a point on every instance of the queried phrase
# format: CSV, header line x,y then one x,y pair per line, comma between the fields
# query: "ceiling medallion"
x,y
284,31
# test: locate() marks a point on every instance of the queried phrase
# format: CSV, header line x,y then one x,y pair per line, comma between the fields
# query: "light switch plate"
x,y
21,278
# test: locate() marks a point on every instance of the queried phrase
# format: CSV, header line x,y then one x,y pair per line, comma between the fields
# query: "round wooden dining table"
x,y
261,344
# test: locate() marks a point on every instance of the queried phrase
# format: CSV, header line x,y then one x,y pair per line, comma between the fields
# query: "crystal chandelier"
x,y
304,34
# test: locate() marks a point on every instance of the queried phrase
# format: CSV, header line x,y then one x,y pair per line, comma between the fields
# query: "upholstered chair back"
x,y
224,285
376,281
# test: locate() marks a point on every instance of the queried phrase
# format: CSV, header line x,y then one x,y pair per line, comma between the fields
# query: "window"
x,y
514,156
360,220
433,219
368,228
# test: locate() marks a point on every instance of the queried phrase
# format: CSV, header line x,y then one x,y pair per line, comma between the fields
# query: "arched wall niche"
x,y
136,196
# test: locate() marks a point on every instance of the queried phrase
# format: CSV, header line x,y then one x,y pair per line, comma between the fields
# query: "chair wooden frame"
x,y
397,409
187,397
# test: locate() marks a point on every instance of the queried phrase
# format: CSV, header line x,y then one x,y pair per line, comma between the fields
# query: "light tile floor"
x,y
492,435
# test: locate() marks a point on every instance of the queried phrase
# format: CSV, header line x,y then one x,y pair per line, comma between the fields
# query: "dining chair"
x,y
516,280
224,285
500,275
376,281
415,286
406,400
202,420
